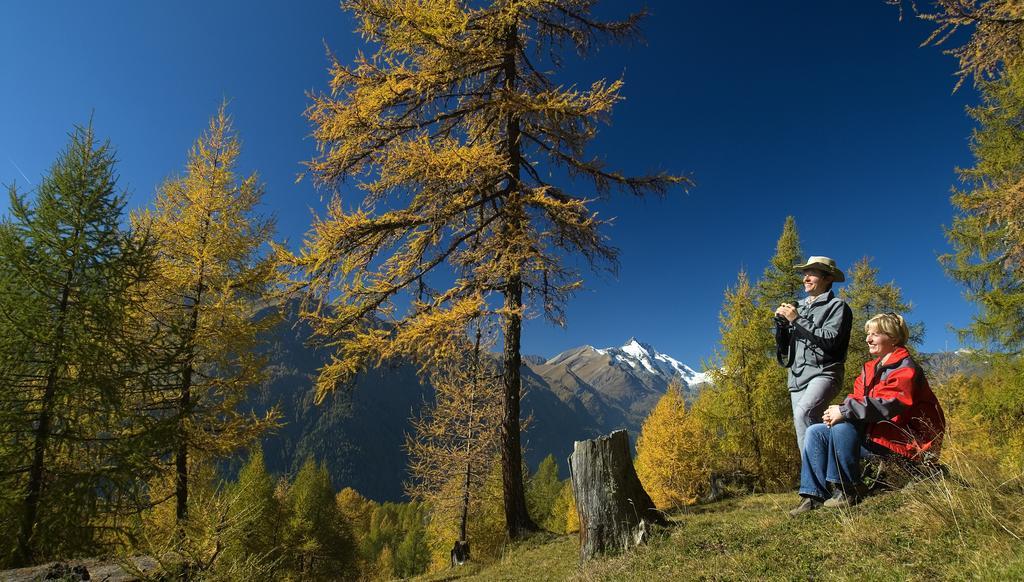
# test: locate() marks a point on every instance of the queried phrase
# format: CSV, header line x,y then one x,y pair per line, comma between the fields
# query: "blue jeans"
x,y
831,455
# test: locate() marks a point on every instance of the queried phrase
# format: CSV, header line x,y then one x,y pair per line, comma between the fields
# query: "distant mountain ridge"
x,y
578,394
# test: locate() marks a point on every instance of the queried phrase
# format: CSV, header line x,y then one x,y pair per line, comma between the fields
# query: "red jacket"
x,y
897,406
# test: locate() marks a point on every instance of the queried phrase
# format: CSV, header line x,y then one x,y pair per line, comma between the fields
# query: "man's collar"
x,y
828,295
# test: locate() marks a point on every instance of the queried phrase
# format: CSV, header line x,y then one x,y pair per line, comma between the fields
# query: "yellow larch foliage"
x,y
211,279
455,140
572,517
667,459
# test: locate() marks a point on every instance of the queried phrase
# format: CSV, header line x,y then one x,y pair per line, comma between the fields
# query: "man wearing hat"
x,y
819,328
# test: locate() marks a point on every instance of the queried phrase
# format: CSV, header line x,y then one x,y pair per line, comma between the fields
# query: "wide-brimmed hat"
x,y
823,264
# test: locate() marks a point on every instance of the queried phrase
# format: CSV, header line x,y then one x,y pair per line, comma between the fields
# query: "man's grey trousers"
x,y
810,402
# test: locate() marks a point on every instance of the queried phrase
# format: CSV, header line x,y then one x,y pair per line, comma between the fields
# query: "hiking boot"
x,y
842,500
806,504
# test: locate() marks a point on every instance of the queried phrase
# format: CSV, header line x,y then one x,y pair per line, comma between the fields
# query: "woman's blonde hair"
x,y
892,325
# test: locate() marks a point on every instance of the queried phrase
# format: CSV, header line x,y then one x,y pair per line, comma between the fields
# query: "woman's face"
x,y
879,344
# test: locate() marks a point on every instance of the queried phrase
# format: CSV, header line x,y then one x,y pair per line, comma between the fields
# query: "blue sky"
x,y
827,111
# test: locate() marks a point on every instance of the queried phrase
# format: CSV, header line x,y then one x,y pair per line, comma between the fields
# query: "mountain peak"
x,y
638,349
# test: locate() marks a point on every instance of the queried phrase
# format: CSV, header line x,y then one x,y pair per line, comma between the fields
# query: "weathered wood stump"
x,y
460,553
614,510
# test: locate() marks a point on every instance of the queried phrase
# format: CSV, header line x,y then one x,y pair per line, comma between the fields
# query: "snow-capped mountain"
x,y
624,370
615,387
640,355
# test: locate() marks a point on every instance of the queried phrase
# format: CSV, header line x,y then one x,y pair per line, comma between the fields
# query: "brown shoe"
x,y
806,504
841,500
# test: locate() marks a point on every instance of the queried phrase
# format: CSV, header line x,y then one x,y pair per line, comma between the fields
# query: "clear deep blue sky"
x,y
827,111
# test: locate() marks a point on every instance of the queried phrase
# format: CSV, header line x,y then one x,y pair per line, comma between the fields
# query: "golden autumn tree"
x,y
455,441
996,36
669,462
457,139
563,518
211,278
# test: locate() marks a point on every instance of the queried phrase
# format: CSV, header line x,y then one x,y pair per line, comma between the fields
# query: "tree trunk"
x,y
185,411
517,519
614,510
181,457
25,553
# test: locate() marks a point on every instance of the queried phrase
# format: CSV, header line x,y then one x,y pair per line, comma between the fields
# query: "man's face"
x,y
816,282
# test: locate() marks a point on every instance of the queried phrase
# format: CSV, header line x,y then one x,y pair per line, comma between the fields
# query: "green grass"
x,y
932,531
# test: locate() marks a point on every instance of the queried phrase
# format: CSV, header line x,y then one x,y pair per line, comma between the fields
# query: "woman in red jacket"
x,y
892,411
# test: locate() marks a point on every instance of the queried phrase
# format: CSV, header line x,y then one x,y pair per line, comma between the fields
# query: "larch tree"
x,y
669,459
254,514
868,298
71,277
995,41
756,436
542,489
356,512
563,518
210,281
457,134
987,235
316,544
456,439
780,283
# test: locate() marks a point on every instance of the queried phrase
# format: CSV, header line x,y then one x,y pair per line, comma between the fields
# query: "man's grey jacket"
x,y
821,336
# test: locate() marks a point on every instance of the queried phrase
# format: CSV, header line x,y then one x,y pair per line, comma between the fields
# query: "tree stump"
x,y
460,553
614,510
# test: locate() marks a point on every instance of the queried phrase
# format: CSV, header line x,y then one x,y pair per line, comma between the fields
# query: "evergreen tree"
x,y
757,437
72,451
446,128
356,513
210,281
412,555
780,283
254,515
563,511
867,298
315,542
384,569
669,462
542,490
986,234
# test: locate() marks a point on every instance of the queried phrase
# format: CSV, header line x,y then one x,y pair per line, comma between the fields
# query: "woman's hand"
x,y
788,311
832,415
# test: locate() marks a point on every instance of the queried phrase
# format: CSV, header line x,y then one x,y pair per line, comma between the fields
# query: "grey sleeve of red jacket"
x,y
871,410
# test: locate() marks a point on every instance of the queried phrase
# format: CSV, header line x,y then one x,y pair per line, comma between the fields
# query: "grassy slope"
x,y
931,532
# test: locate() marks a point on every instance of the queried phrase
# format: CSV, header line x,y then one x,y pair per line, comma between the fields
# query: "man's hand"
x,y
788,311
832,415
